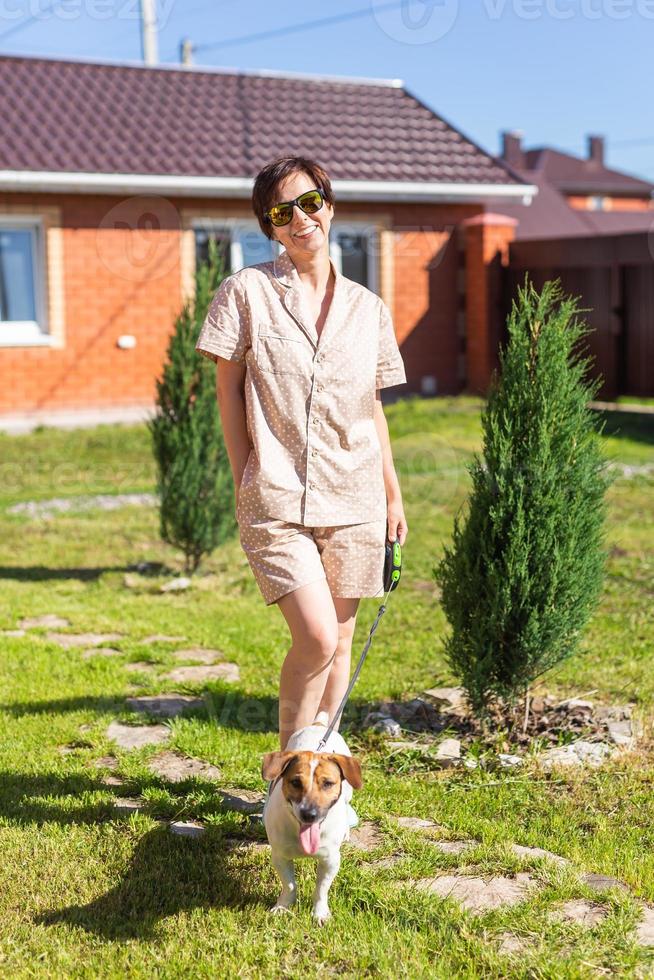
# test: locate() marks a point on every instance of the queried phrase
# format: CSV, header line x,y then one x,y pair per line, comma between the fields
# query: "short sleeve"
x,y
390,366
226,330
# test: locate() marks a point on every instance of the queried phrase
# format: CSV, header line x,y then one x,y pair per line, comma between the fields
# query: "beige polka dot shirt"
x,y
316,458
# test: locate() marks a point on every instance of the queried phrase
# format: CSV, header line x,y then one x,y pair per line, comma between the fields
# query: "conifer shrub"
x,y
526,565
194,479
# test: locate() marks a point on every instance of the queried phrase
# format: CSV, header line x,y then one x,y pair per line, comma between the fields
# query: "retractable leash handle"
x,y
392,572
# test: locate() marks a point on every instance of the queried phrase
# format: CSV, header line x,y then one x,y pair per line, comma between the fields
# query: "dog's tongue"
x,y
309,837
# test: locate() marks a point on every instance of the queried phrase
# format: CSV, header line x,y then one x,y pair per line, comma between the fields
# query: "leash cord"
x,y
380,613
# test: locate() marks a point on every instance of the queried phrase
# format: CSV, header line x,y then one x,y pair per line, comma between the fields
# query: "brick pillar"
x,y
486,239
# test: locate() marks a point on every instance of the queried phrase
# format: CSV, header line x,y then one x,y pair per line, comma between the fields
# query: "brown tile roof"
x,y
99,117
574,175
550,216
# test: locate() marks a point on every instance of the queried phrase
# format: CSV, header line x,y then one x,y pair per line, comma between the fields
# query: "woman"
x,y
301,353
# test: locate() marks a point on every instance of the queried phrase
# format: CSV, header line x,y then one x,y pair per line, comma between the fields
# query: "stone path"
x,y
475,892
478,893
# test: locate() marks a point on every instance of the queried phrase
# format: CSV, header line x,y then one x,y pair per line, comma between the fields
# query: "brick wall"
x,y
121,272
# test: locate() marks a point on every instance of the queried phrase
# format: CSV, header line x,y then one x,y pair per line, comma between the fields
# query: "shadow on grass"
x,y
167,874
27,798
42,573
638,426
223,707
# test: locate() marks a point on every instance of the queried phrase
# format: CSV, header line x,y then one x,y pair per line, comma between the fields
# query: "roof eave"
x,y
181,185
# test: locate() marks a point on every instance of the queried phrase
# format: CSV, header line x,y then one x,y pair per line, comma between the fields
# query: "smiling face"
x,y
311,785
293,236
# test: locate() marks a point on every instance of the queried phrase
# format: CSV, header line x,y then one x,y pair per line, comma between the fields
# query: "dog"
x,y
306,813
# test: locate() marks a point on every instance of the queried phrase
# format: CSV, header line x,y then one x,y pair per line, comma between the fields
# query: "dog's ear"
x,y
350,768
275,762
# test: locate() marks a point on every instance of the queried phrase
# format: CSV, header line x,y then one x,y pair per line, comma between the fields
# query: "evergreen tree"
x,y
194,479
526,566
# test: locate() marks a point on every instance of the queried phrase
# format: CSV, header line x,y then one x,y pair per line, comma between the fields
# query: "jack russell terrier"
x,y
307,812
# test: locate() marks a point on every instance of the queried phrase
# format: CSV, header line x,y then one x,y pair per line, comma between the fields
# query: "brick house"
x,y
113,176
576,195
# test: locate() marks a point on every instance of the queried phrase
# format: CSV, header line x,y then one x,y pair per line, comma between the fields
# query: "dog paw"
x,y
276,909
321,915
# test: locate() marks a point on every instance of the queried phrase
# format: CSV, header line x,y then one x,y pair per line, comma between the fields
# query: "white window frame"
x,y
29,333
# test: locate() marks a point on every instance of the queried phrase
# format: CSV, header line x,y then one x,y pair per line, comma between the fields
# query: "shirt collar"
x,y
286,272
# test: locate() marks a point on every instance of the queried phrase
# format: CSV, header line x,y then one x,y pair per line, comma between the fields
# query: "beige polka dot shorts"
x,y
283,556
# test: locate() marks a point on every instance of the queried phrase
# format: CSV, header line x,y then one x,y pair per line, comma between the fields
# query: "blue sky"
x,y
554,69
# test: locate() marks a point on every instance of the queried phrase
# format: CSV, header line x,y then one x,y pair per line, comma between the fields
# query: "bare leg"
x,y
339,674
311,617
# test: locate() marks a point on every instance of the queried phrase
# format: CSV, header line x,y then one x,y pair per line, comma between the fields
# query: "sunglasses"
x,y
309,202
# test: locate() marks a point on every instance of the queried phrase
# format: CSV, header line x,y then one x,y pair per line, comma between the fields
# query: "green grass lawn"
x,y
86,893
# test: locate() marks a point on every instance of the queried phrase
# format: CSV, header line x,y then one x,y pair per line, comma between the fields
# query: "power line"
x,y
28,20
294,28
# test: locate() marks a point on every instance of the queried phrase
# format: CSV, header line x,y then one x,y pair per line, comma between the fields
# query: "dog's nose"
x,y
308,813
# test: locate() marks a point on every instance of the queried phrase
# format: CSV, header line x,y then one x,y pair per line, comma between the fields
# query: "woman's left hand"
x,y
396,521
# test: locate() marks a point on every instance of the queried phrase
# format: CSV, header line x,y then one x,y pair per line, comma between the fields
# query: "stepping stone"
x,y
242,800
223,672
164,705
124,806
449,699
510,944
100,652
187,828
645,929
366,836
476,894
176,584
112,781
417,823
600,883
538,852
582,913
13,632
70,640
48,619
199,654
448,752
139,667
105,762
175,768
162,638
454,846
136,736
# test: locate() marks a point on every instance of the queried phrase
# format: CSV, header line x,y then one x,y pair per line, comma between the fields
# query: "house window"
x,y
242,243
598,203
20,266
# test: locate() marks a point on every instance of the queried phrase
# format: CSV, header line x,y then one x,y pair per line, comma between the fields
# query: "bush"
x,y
526,566
194,478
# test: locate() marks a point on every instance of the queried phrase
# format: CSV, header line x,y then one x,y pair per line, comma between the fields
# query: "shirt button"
x,y
321,387
312,486
316,419
314,452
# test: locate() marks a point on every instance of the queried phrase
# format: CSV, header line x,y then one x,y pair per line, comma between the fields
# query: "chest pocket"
x,y
277,354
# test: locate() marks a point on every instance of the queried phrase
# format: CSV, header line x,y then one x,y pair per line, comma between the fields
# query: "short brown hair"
x,y
270,177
